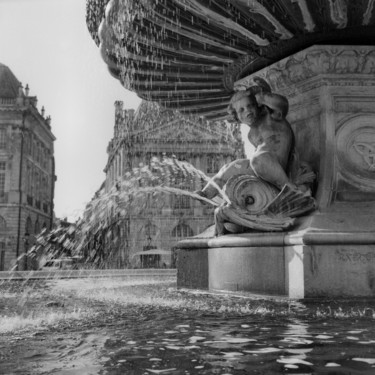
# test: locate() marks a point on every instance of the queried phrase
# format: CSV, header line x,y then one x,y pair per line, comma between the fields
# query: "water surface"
x,y
156,329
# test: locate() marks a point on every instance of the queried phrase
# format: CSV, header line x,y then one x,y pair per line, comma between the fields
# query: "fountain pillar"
x,y
331,252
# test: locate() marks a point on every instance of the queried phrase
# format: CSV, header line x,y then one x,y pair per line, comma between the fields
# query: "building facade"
x,y
27,170
149,132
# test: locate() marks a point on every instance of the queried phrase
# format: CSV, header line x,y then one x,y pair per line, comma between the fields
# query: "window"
x,y
212,164
26,144
44,189
31,146
181,202
36,185
2,178
150,230
182,231
3,226
129,164
45,158
3,136
3,230
29,226
28,179
119,164
37,227
2,256
34,150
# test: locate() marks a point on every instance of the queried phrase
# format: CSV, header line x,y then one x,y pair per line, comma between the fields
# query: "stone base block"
x,y
332,271
255,269
295,265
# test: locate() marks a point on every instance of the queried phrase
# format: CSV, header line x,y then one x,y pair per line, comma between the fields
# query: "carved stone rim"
x,y
317,60
292,238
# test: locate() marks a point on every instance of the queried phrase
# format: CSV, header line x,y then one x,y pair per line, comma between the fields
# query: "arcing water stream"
x,y
128,197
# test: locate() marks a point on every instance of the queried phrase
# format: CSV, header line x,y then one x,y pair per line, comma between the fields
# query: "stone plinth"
x,y
299,264
331,92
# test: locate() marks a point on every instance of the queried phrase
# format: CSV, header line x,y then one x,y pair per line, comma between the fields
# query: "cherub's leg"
x,y
267,167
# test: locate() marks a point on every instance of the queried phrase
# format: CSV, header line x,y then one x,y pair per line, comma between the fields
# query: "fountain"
x,y
194,55
330,251
148,326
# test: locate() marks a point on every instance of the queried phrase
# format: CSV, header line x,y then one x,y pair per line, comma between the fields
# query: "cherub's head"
x,y
243,107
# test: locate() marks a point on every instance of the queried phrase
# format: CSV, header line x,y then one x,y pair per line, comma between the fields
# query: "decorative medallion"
x,y
356,151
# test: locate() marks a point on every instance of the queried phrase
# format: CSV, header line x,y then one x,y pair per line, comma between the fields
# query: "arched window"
x,y
182,231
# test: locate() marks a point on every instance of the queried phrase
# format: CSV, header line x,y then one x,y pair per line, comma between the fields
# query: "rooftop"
x,y
9,84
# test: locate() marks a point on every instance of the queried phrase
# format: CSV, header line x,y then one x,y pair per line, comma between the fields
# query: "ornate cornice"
x,y
241,68
336,64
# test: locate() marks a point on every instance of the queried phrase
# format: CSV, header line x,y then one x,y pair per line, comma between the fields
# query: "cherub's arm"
x,y
277,103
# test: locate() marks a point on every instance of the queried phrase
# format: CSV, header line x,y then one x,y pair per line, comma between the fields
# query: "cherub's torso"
x,y
269,135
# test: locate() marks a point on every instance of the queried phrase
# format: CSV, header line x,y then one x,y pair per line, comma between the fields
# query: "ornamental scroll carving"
x,y
314,61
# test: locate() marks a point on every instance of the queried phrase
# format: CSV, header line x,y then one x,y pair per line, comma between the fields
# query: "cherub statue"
x,y
274,160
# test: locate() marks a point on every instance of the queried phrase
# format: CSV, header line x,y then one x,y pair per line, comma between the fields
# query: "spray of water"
x,y
108,210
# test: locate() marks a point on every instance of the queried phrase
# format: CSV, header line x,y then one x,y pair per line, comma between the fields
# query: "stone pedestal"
x,y
331,92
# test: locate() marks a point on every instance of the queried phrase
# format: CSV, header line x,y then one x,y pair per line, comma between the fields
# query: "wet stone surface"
x,y
198,334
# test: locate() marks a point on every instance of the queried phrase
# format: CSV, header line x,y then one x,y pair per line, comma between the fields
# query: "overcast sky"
x,y
47,45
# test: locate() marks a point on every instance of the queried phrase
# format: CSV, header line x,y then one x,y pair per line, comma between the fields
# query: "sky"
x,y
46,44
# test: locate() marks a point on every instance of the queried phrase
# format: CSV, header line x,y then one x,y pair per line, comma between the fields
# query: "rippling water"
x,y
211,344
153,338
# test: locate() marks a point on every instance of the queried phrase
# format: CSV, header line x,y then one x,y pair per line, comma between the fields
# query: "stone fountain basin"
x,y
309,262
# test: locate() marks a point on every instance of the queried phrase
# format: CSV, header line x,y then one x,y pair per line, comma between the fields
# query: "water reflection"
x,y
255,345
145,329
